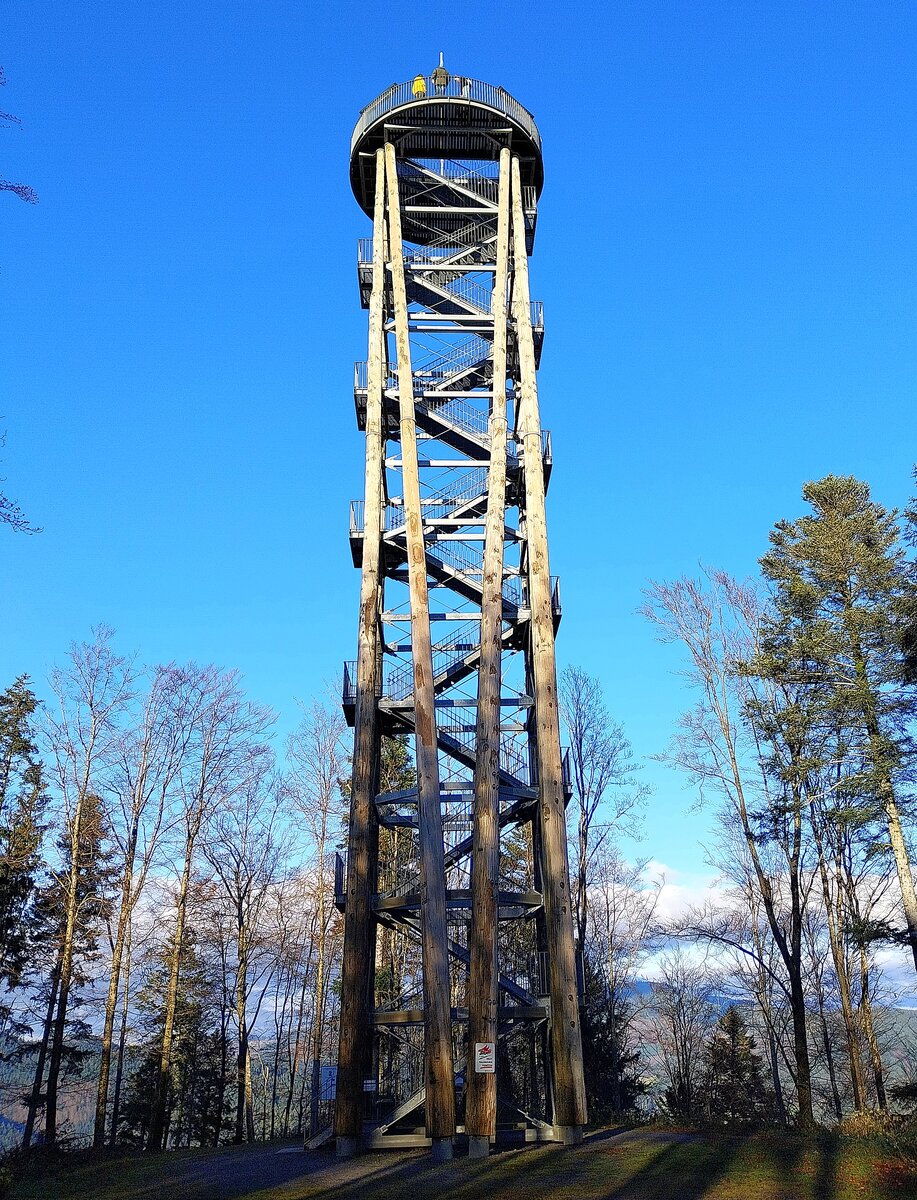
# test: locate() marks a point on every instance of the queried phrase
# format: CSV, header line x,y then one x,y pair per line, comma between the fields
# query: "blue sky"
x,y
726,249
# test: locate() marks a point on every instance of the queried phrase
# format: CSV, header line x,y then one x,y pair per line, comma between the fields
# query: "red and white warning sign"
x,y
484,1058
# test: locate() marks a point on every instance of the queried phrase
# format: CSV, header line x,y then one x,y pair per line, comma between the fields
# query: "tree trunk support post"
x,y
566,1045
481,1094
355,1046
439,1105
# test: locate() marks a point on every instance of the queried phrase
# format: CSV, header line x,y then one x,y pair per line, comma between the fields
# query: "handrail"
x,y
468,291
465,639
456,411
459,88
414,170
468,353
451,410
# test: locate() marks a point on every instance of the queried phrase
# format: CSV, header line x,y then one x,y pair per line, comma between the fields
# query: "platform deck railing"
x,y
458,88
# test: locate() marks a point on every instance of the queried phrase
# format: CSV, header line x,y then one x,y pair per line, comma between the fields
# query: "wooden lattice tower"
x,y
458,920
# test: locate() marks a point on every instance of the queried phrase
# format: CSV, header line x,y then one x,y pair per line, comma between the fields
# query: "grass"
x,y
630,1166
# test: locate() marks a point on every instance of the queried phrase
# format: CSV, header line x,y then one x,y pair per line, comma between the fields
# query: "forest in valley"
x,y
170,939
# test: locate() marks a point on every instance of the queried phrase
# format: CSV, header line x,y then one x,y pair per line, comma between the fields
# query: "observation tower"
x,y
459,996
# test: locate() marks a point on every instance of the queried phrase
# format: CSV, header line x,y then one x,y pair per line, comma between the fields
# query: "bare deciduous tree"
x,y
608,799
149,761
226,749
92,692
245,850
742,740
684,1016
318,763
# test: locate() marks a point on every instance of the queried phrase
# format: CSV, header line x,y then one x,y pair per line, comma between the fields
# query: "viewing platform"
x,y
462,119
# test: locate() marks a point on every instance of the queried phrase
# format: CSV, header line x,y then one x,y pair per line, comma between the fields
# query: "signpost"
x,y
485,1058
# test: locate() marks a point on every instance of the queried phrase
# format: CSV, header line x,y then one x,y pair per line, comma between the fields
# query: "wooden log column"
x,y
481,1093
439,1104
355,1045
566,1045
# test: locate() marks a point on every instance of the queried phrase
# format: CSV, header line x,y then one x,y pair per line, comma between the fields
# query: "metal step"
x,y
322,1138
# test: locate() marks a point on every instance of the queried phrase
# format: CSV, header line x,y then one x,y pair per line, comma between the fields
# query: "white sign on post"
x,y
484,1058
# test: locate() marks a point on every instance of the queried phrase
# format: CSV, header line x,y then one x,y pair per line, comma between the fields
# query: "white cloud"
x,y
680,890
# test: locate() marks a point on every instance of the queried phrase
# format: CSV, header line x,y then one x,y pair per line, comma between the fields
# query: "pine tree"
x,y
841,586
733,1081
67,948
909,630
195,1112
22,804
610,1063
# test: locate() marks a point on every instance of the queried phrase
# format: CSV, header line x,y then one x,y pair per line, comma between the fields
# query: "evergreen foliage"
x,y
733,1087
62,1042
611,1062
197,1112
23,800
842,593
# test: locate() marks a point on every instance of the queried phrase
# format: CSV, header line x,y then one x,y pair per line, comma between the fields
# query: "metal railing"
x,y
438,505
459,557
462,641
415,171
458,88
451,249
461,488
469,291
392,517
467,354
466,238
349,684
516,450
365,252
456,411
512,761
451,410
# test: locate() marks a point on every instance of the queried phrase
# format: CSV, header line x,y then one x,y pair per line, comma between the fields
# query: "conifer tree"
x,y
610,1062
195,1113
733,1080
909,631
841,585
68,923
22,803
92,692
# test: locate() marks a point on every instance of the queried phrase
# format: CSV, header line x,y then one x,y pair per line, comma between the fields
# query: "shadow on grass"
x,y
823,1187
615,1164
803,1167
307,1175
686,1169
603,1135
597,1170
